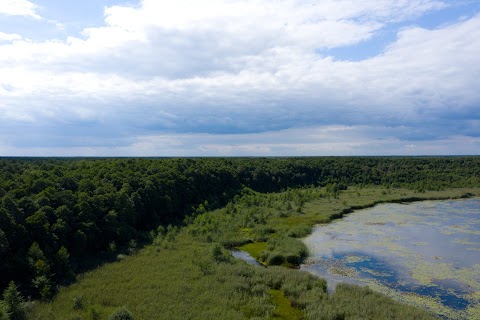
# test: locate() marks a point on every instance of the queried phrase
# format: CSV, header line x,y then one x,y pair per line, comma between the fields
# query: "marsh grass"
x,y
284,309
154,284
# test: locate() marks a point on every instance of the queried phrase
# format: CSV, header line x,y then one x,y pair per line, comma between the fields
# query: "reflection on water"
x,y
424,253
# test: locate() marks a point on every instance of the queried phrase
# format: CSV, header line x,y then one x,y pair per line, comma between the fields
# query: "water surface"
x,y
245,256
423,253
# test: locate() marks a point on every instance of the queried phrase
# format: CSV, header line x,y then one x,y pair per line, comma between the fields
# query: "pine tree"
x,y
14,303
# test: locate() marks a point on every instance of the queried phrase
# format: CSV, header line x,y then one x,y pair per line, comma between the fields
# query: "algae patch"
x,y
426,254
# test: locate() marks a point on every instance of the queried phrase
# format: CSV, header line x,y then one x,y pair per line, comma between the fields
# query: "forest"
x,y
60,217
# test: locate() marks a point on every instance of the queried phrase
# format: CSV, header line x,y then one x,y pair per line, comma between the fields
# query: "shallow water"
x,y
245,256
423,253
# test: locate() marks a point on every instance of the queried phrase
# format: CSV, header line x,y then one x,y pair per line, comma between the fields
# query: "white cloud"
x,y
250,66
9,36
19,8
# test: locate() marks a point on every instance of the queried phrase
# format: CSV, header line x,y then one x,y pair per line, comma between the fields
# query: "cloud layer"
x,y
19,8
239,78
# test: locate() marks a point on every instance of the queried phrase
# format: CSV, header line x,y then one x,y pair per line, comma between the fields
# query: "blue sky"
x,y
239,78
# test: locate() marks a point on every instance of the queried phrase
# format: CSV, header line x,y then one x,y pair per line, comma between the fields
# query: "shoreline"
x,y
400,201
453,194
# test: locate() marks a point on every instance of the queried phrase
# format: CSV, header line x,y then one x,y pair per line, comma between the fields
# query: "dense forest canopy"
x,y
55,214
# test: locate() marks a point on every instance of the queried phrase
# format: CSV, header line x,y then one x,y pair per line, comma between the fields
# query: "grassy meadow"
x,y
188,273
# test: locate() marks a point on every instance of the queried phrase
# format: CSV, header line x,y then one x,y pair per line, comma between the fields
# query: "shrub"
x,y
94,314
78,303
121,313
275,259
132,246
218,255
294,259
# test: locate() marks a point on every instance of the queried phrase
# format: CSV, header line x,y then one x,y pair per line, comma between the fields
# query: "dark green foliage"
x,y
43,286
3,243
63,269
4,315
57,214
121,313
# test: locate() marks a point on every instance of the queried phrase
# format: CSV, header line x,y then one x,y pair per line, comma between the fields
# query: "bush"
x,y
218,255
132,246
78,303
121,313
274,259
294,259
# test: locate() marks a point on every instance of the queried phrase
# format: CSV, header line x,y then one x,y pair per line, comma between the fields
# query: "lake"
x,y
423,253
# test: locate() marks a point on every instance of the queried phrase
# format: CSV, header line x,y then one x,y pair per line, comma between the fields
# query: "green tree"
x,y
14,303
43,285
37,260
4,315
63,269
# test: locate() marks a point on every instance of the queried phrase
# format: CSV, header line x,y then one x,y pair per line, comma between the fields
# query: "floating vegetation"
x,y
426,254
352,258
421,243
474,249
343,271
376,273
375,223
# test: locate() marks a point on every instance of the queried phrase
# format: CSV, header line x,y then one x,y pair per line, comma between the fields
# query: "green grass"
x,y
254,249
154,284
191,279
283,308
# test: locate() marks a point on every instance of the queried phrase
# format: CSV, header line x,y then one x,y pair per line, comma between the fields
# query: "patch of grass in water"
x,y
254,249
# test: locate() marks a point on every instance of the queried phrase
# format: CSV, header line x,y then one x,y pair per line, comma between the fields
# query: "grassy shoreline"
x,y
347,202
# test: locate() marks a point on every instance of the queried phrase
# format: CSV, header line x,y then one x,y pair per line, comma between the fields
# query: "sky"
x,y
239,77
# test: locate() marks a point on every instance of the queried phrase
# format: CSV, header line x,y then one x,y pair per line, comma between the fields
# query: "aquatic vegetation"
x,y
423,254
352,258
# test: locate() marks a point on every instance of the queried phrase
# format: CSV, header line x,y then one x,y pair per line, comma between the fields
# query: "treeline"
x,y
56,214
